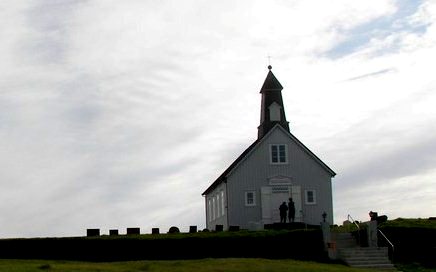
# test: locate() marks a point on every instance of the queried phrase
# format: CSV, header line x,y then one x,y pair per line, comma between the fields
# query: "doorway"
x,y
273,196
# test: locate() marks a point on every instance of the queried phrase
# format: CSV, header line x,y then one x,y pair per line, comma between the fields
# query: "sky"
x,y
117,114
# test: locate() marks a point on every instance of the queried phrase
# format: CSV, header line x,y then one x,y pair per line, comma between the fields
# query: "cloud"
x,y
407,160
408,197
115,114
395,20
371,74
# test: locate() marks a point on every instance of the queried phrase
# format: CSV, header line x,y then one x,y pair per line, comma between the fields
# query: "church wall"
x,y
254,171
216,213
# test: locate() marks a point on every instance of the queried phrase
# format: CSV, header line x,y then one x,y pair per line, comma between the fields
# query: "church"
x,y
275,167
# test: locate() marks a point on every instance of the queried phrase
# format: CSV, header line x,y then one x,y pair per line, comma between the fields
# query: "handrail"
x,y
354,222
357,225
390,243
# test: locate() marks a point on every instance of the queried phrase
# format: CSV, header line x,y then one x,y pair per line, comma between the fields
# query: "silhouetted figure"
x,y
380,219
373,215
291,211
283,211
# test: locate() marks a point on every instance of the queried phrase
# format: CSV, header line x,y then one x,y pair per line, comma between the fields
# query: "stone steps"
x,y
387,267
361,257
344,240
366,257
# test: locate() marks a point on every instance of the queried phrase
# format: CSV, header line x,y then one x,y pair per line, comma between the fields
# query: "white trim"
x,y
280,180
306,197
254,198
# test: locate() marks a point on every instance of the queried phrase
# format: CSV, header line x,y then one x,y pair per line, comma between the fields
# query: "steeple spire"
x,y
272,111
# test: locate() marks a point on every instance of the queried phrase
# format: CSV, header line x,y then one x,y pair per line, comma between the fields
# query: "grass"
x,y
307,245
203,265
398,223
411,223
413,267
210,265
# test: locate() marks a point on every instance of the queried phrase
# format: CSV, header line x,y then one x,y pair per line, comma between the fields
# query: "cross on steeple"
x,y
269,61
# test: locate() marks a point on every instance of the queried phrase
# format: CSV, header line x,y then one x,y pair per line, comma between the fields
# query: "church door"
x,y
273,196
280,194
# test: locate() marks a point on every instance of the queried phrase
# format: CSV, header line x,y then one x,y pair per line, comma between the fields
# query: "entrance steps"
x,y
290,226
366,257
344,240
361,257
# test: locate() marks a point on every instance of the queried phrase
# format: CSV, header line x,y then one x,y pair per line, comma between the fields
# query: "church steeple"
x,y
272,111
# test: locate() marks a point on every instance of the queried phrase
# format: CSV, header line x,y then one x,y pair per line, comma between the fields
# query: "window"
x,y
310,197
274,112
218,205
250,198
278,154
213,208
222,203
209,207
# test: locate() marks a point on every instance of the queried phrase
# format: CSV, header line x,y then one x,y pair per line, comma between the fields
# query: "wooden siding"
x,y
255,170
222,218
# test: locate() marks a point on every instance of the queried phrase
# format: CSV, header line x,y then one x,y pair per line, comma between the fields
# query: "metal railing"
x,y
357,225
389,242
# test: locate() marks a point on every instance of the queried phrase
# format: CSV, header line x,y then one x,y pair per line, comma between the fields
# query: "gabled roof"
x,y
223,177
307,150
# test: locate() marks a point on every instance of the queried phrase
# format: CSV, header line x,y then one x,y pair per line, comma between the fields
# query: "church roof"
x,y
222,178
271,83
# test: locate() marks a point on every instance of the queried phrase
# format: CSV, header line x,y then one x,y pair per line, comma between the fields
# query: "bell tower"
x,y
272,111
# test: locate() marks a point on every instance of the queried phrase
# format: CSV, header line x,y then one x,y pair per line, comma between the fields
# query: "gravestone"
x,y
113,232
92,232
233,228
133,231
174,230
192,229
219,228
155,231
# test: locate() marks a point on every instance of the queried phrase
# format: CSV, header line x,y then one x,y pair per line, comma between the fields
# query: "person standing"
x,y
291,211
283,210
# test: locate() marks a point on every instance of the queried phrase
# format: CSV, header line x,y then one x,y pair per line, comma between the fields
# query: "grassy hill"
x,y
203,265
297,244
410,223
414,240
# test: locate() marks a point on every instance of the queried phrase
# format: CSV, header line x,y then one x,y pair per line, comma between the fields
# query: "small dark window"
x,y
278,153
274,154
282,153
250,198
310,197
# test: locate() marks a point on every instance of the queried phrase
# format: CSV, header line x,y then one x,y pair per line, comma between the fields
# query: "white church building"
x,y
272,169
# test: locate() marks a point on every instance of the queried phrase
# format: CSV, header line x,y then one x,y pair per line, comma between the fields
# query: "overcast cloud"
x,y
117,114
